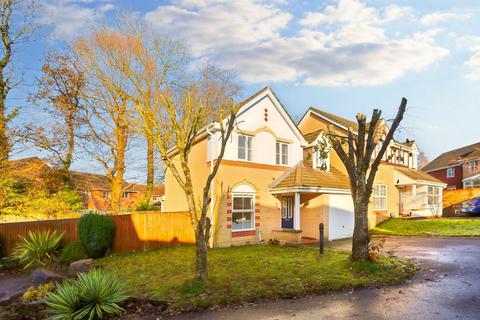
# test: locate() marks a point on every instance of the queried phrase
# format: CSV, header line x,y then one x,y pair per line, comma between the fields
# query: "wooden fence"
x,y
452,199
134,232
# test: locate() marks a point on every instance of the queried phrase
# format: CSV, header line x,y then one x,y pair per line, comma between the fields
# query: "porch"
x,y
419,194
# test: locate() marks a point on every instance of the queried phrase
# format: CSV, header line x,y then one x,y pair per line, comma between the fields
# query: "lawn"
x,y
249,273
430,227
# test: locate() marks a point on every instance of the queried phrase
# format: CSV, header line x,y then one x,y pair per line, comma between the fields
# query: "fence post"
x,y
321,229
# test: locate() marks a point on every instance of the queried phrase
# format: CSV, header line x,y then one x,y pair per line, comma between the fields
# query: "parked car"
x,y
471,206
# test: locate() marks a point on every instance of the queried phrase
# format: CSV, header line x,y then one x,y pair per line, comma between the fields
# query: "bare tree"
x,y
356,151
178,126
104,57
60,92
157,63
16,24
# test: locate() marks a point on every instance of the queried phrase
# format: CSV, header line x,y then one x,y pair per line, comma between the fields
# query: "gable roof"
x,y
335,119
268,92
95,181
453,157
306,176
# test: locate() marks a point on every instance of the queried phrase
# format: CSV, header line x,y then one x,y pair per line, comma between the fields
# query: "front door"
x,y
287,212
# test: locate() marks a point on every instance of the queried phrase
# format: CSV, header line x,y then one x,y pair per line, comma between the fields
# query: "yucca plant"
x,y
97,294
37,248
65,302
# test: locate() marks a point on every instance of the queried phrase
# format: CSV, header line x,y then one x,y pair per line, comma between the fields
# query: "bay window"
x,y
379,197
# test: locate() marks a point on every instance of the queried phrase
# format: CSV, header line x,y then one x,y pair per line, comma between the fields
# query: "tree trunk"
x,y
4,143
360,232
150,169
202,234
69,157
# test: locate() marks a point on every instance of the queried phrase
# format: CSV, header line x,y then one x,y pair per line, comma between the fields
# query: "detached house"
x,y
272,183
459,168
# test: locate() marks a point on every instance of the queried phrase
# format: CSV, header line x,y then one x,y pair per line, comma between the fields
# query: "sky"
x,y
344,57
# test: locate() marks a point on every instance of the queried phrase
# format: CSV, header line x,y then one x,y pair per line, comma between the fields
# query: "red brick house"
x,y
93,188
459,168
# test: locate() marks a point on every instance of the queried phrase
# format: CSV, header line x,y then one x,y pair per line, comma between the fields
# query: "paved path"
x,y
447,287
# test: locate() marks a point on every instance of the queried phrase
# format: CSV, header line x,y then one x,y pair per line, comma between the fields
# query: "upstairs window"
x,y
379,196
450,172
125,195
282,153
472,166
433,196
245,148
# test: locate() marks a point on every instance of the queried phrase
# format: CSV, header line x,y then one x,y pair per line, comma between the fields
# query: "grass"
x,y
430,227
243,274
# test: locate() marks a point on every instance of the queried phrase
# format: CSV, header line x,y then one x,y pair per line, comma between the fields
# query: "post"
x,y
296,212
322,231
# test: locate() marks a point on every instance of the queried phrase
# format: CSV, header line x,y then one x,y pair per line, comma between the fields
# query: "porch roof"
x,y
302,176
419,176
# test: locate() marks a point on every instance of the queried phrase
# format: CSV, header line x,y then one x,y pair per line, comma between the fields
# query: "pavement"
x,y
446,287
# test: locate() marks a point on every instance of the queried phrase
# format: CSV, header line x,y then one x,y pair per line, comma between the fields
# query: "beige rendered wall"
x,y
314,210
175,199
268,206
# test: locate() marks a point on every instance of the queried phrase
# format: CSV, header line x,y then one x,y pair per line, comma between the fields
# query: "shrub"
x,y
73,251
38,248
144,205
96,233
38,293
93,295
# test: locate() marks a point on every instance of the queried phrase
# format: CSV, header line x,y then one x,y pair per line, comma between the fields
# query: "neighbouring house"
x,y
158,194
34,172
459,168
96,192
271,183
93,188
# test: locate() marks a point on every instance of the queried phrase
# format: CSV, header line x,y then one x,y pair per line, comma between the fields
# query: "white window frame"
x,y
125,194
376,197
451,172
287,207
434,193
252,210
281,154
248,147
107,194
473,166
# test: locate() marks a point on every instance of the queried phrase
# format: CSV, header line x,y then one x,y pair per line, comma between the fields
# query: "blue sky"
x,y
343,56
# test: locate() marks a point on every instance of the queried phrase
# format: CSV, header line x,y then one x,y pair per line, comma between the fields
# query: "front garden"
x,y
243,274
441,227
124,283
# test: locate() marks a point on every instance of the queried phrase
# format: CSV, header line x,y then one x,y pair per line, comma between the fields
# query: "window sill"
x,y
243,233
243,230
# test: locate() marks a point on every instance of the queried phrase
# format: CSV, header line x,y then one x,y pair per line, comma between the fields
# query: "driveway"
x,y
446,287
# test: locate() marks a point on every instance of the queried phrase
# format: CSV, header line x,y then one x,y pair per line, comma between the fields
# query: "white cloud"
x,y
472,64
439,17
71,18
346,43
